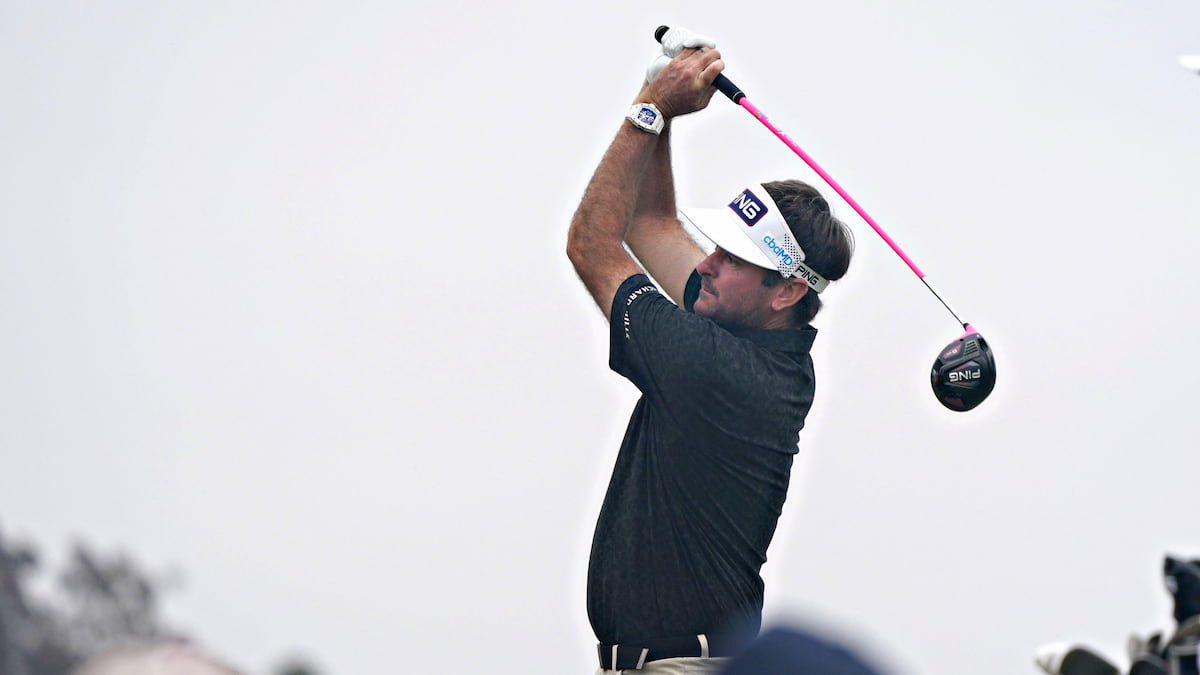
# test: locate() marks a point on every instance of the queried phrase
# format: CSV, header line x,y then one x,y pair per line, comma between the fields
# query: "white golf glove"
x,y
675,41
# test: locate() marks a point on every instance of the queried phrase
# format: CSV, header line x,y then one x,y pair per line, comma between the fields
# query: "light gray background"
x,y
283,305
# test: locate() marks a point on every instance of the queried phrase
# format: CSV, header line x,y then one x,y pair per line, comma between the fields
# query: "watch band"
x,y
646,117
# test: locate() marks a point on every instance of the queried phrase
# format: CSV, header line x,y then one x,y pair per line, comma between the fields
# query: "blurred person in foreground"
x,y
719,347
791,651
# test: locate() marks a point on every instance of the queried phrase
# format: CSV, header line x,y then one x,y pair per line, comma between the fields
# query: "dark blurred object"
x,y
788,651
1068,659
297,665
1148,664
1183,649
1178,654
1146,655
1182,578
1183,581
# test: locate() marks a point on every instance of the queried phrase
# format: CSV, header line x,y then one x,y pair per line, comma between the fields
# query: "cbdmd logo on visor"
x,y
748,207
779,251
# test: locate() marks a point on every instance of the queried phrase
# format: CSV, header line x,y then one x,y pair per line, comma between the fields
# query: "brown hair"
x,y
828,244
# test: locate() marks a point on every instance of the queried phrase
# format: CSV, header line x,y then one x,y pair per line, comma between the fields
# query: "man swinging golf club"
x,y
725,374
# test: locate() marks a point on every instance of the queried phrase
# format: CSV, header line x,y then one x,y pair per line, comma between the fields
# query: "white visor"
x,y
753,229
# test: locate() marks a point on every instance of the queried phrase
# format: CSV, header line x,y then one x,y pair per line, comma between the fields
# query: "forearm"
x,y
656,193
655,236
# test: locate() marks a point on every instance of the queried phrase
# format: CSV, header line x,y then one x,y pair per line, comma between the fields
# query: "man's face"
x,y
732,293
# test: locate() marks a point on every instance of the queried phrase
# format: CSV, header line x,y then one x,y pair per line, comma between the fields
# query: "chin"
x,y
716,317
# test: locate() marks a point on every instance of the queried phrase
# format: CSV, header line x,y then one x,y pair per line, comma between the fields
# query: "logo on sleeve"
x,y
748,207
637,293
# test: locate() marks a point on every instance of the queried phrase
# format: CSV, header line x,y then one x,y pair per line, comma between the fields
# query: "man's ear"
x,y
788,293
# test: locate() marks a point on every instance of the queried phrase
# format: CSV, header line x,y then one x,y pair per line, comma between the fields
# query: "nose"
x,y
708,265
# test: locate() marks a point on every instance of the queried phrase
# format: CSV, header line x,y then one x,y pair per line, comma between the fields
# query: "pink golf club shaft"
x,y
812,163
735,94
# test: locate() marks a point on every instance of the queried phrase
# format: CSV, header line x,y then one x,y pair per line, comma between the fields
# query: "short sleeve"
x,y
639,312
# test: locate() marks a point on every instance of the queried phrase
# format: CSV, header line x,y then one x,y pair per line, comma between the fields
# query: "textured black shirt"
x,y
702,473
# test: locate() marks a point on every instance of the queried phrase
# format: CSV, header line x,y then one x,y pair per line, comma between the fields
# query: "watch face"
x,y
647,116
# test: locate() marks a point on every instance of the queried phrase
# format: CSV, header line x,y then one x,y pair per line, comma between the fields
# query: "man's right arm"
x,y
602,222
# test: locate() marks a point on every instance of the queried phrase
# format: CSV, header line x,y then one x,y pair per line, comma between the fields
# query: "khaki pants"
x,y
682,666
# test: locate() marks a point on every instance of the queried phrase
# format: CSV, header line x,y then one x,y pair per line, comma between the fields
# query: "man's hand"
x,y
685,83
673,42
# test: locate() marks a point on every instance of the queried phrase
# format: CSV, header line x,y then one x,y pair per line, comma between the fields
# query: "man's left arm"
x,y
594,241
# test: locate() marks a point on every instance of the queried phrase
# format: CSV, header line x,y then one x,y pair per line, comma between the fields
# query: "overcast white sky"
x,y
283,304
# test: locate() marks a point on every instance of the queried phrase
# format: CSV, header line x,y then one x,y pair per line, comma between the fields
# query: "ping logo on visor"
x,y
748,207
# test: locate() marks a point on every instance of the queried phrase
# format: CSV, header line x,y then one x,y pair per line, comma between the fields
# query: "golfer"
x,y
719,347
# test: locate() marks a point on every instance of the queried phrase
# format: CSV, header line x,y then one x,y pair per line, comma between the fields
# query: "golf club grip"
x,y
722,83
728,88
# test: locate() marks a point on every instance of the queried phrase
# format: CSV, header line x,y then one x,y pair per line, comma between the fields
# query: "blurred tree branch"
x,y
105,608
108,602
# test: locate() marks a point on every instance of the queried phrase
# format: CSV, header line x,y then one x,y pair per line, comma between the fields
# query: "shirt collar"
x,y
790,340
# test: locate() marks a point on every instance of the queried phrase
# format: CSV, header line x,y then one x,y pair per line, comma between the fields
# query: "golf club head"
x,y
964,372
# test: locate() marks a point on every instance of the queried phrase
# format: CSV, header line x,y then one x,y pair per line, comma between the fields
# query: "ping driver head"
x,y
964,372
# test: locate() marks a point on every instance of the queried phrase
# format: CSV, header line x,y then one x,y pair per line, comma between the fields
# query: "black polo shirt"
x,y
702,472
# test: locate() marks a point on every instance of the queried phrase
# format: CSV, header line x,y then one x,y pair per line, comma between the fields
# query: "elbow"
x,y
590,248
574,250
579,246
